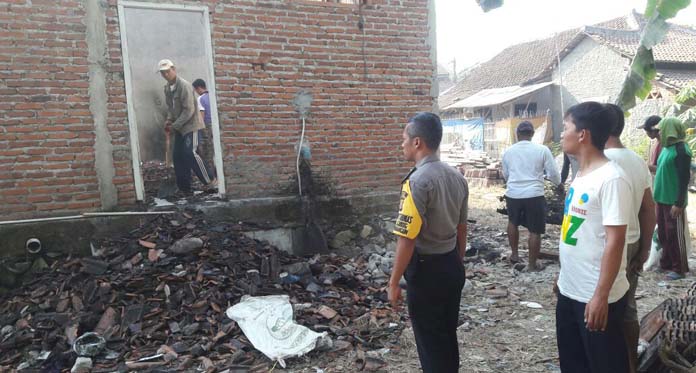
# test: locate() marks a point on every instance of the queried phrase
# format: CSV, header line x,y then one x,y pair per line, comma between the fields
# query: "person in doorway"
x,y
524,166
671,183
649,126
592,283
640,226
185,124
431,229
205,145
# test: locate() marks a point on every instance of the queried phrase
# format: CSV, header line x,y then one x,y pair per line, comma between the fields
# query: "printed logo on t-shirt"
x,y
571,223
409,222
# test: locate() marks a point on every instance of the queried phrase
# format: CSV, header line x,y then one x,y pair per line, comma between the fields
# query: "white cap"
x,y
165,65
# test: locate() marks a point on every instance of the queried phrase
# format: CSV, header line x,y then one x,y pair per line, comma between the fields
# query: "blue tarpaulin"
x,y
465,132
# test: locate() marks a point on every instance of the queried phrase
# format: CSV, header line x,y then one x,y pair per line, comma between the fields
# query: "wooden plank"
x,y
652,323
650,327
548,255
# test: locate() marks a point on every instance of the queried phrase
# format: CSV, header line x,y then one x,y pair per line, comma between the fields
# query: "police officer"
x,y
432,239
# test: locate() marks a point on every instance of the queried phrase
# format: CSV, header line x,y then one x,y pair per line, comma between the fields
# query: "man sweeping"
x,y
182,117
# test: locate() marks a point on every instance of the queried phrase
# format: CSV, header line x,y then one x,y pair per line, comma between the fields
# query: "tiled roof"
x,y
678,46
677,78
515,65
533,61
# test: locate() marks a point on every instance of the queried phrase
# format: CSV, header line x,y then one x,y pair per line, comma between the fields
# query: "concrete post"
x,y
95,20
432,41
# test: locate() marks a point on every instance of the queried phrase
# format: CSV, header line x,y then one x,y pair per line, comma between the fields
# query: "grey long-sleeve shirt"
x,y
182,107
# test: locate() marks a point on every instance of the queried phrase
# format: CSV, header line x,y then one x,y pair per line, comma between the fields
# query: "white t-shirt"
x,y
524,166
638,174
593,201
200,105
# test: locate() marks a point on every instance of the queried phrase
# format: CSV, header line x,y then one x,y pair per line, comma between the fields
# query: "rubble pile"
x,y
157,296
555,204
154,172
160,186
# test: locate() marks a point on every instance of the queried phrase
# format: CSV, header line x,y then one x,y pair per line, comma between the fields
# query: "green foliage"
x,y
684,107
687,94
636,141
638,81
669,8
642,72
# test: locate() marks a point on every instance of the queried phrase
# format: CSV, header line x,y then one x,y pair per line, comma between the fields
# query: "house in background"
x,y
445,78
526,81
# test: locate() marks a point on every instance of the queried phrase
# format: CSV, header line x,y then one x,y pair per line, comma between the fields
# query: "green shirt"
x,y
672,176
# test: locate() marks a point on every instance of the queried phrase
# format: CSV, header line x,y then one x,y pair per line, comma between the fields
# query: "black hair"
x,y
652,121
593,117
199,83
428,127
525,131
618,119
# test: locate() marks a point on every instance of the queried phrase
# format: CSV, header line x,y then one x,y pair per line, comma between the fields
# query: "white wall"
x,y
590,71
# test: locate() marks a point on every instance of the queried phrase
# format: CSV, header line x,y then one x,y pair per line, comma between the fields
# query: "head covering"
x,y
165,65
672,131
650,122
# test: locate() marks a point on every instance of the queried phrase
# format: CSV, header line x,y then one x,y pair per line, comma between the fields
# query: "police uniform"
x,y
434,199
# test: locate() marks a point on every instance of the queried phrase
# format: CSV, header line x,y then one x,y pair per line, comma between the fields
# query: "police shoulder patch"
x,y
408,223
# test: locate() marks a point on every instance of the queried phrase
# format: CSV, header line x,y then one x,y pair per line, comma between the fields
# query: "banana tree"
x,y
638,81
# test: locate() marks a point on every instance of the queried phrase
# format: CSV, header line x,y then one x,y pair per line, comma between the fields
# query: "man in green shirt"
x,y
670,194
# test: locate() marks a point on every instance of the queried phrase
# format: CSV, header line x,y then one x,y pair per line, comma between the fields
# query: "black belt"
x,y
431,257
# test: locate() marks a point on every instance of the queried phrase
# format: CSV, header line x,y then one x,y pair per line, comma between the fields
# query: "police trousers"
x,y
434,291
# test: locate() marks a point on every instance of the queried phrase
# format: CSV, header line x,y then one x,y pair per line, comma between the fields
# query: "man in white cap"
x,y
182,116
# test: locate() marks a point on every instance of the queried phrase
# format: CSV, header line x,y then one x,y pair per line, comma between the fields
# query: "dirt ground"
x,y
499,333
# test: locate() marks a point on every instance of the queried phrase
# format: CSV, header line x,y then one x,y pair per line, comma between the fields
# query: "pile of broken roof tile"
x,y
155,298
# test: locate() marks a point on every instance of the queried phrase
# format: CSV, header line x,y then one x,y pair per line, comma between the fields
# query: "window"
x,y
526,110
485,113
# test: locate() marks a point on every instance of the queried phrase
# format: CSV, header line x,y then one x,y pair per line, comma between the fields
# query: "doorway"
x,y
149,33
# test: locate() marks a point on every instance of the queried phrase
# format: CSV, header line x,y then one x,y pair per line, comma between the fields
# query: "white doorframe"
x,y
132,121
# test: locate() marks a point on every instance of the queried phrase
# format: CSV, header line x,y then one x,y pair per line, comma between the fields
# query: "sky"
x,y
467,34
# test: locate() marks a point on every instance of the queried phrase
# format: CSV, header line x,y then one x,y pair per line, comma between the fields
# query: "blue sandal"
x,y
672,276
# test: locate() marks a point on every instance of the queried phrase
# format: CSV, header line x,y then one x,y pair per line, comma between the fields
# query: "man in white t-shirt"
x,y
524,166
640,226
592,283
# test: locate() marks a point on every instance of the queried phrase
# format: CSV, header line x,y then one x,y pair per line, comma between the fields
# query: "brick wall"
x,y
46,134
365,84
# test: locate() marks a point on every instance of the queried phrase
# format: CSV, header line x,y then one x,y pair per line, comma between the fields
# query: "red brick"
x,y
302,44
